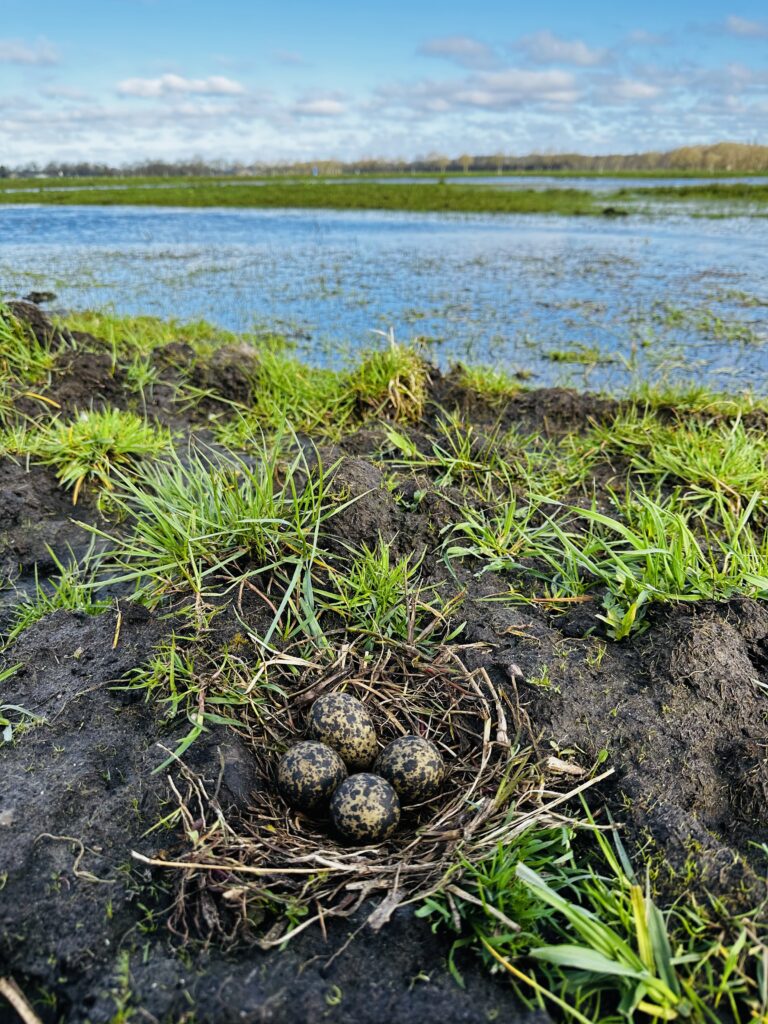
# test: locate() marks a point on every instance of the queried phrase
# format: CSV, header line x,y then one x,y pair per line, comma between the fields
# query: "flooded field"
x,y
595,301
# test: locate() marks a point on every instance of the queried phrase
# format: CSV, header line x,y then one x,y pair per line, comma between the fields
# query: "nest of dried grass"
x,y
272,872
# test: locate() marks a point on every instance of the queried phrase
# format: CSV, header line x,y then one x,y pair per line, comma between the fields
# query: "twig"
x,y
11,991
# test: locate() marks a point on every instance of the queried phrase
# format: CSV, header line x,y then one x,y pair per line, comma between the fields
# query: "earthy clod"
x,y
365,809
308,774
413,766
343,722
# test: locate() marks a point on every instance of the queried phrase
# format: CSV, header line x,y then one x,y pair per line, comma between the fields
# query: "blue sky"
x,y
121,80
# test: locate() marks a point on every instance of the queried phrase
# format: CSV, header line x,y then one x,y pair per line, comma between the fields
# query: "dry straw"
x,y
272,872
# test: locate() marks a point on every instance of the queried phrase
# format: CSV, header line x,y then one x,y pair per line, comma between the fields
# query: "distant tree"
x,y
439,160
466,162
498,162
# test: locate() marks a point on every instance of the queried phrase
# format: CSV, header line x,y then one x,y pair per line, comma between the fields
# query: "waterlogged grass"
x,y
720,191
363,194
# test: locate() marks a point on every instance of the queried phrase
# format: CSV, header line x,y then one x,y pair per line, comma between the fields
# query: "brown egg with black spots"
x,y
413,766
365,809
308,775
343,722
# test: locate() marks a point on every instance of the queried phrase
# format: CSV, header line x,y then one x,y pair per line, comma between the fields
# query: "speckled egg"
x,y
308,774
413,766
365,809
343,722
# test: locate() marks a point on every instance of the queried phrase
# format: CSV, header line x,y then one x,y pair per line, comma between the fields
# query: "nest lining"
x,y
274,863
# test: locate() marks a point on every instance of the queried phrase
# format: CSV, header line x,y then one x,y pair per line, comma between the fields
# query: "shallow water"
x,y
665,298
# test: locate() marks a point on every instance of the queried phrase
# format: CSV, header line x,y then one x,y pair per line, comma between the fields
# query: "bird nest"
x,y
272,872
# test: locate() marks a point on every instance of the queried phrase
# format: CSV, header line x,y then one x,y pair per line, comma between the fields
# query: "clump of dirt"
x,y
37,526
229,374
549,411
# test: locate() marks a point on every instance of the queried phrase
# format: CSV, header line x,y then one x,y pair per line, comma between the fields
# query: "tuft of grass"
x,y
288,391
379,596
710,457
391,382
601,948
694,398
459,455
207,690
580,354
485,904
21,353
655,553
94,445
492,384
205,523
23,358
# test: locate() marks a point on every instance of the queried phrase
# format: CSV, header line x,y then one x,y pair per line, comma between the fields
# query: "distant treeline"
x,y
720,158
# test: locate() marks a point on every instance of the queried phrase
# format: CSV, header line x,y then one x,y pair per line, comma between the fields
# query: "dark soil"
x,y
83,927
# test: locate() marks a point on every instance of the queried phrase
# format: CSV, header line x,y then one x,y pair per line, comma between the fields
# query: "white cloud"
x,y
743,27
319,108
165,85
41,53
546,48
488,90
514,85
630,89
462,50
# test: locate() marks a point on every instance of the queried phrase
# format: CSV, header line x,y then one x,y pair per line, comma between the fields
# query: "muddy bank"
x,y
678,711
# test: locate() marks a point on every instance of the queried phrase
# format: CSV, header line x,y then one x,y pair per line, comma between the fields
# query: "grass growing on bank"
x,y
92,446
129,337
204,523
585,939
388,382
